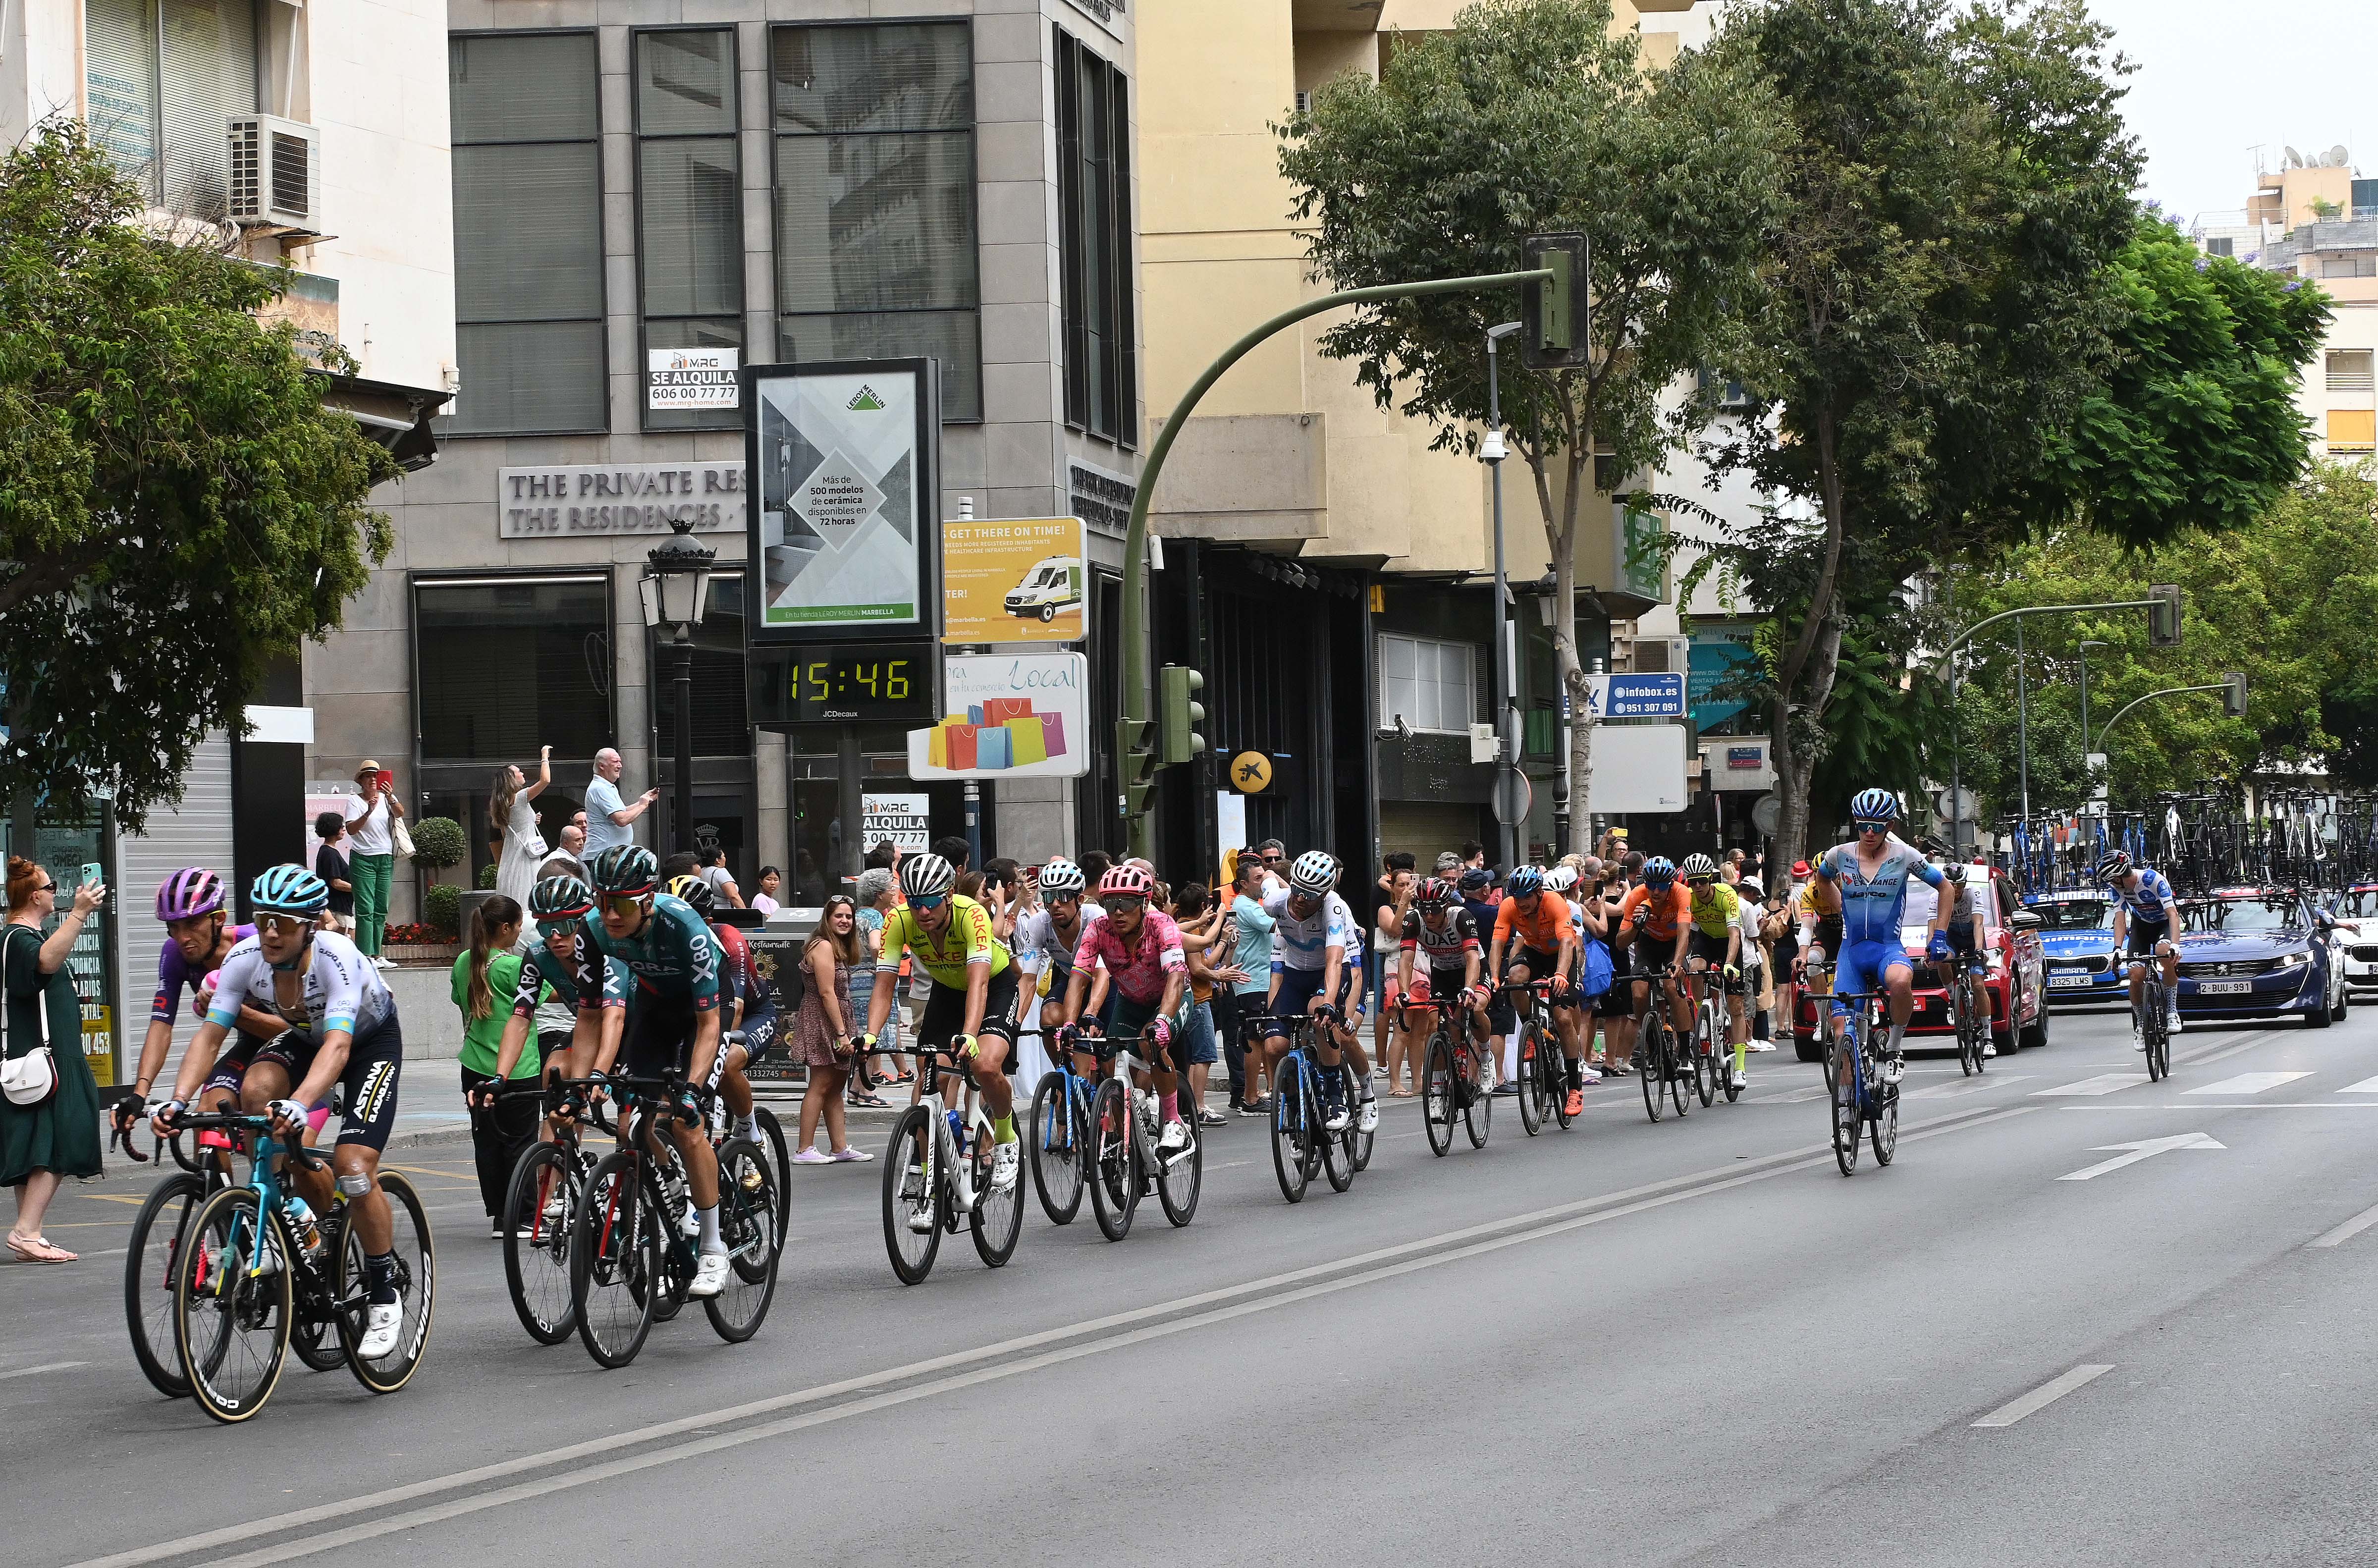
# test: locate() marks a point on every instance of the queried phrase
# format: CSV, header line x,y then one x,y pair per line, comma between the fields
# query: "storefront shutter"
x,y
120,60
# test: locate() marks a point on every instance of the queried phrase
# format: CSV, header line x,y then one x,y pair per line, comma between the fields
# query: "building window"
x,y
875,221
164,79
2352,430
528,235
2349,370
688,205
507,664
1428,683
1094,199
2221,245
2348,267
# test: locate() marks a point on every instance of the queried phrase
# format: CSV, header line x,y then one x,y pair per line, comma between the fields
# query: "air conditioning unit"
x,y
1662,656
276,175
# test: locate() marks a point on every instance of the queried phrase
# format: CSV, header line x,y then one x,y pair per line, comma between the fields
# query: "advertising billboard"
x,y
1014,579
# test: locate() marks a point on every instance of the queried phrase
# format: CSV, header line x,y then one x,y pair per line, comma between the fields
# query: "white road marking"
x,y
2367,1086
2104,1083
2349,1230
1963,1087
2144,1149
1792,1098
2039,1398
50,1367
2249,1083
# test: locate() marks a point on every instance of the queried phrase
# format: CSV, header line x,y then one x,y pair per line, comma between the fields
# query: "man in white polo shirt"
x,y
609,820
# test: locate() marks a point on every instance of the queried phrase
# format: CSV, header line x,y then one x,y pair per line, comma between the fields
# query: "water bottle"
x,y
303,1225
957,1130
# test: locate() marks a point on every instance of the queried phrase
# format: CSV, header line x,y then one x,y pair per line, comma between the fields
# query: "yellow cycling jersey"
x,y
966,940
1817,898
1716,909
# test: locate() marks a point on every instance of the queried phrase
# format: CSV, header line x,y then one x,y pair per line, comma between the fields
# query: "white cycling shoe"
x,y
1990,1049
1741,1079
1337,1119
1176,1136
1005,1159
381,1320
709,1276
1367,1118
2171,1022
1894,1068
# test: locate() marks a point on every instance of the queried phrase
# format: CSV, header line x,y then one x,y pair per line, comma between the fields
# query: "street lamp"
x,y
675,591
1491,451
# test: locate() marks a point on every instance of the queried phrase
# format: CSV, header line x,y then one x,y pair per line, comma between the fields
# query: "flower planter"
x,y
438,954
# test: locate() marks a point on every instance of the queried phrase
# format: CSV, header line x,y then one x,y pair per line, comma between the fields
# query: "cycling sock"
x,y
1171,1106
1741,1054
1575,1074
747,1124
379,1277
1898,1033
709,1237
1002,1128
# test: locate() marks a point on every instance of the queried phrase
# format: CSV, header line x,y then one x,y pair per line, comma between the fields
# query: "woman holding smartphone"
x,y
371,856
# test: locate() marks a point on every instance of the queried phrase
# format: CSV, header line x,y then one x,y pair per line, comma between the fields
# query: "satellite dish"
x,y
2295,159
2337,156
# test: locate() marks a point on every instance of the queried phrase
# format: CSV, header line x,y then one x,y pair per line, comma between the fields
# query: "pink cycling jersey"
x,y
1136,970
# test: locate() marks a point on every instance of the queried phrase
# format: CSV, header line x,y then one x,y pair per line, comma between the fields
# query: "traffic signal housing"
x,y
2163,616
1554,317
2233,694
1136,761
1180,714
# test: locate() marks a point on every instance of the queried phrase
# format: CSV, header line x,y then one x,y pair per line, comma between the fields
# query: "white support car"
x,y
2356,936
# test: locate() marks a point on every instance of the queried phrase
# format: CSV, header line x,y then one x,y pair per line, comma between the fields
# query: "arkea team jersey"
x,y
1137,967
174,974
1873,908
1305,941
1668,909
1545,927
1714,908
674,958
968,940
2146,902
573,980
340,990
1039,943
1445,947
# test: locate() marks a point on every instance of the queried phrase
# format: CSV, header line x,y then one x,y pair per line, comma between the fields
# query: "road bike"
x,y
768,1136
1450,1080
1861,1102
634,1238
253,1272
541,1208
1712,1052
1663,1062
937,1173
1123,1156
1061,1118
1972,1023
1302,1143
2152,1017
1543,1081
158,1234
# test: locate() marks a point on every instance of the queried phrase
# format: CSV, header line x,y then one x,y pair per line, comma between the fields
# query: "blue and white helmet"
x,y
1060,878
289,890
1874,805
1523,882
1658,871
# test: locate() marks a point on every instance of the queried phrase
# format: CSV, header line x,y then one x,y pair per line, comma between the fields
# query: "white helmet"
x,y
1560,879
1060,878
1315,872
927,876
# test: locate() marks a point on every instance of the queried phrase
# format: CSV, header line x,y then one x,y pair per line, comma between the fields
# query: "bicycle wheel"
x,y
1841,1081
1338,1158
158,1233
417,1290
1725,1074
1478,1115
1533,1106
615,1261
313,1304
2154,1029
771,1142
912,1195
1178,1182
537,1213
1360,1143
1438,1096
1292,1131
1111,1160
1885,1128
746,1223
1705,1063
998,1217
1056,1170
231,1324
1651,1061
1681,1070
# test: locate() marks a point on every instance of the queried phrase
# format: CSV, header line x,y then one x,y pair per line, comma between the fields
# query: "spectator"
x,y
1273,857
1474,853
1447,865
486,978
610,820
371,857
721,880
41,1144
512,811
1095,864
825,1036
809,886
1616,1007
1203,925
765,900
954,850
1387,943
1252,992
1730,867
876,890
331,865
884,856
684,863
569,859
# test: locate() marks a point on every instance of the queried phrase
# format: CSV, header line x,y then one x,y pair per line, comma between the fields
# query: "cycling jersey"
x,y
1137,967
173,974
1873,908
968,940
1305,940
1040,945
340,990
1714,908
1668,910
740,976
1446,946
2150,901
1545,927
674,957
574,981
1816,901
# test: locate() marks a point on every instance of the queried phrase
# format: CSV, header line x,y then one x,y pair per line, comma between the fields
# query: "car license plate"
x,y
2224,988
2062,982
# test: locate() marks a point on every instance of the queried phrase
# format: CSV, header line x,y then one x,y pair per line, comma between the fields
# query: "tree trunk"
x,y
1560,538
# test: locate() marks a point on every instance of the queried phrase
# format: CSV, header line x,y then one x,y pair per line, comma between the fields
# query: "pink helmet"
x,y
191,892
1126,882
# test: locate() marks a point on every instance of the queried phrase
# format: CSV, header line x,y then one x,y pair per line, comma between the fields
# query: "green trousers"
x,y
371,875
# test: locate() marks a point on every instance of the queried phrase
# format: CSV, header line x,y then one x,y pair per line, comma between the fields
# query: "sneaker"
x,y
709,1276
846,1156
1576,1102
1175,1137
1005,1160
811,1156
1367,1120
1247,1107
1893,1069
1208,1117
495,1230
1741,1080
1762,1045
1337,1119
1507,1089
1589,1073
381,1320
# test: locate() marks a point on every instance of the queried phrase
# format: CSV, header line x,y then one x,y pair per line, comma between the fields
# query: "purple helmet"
x,y
191,892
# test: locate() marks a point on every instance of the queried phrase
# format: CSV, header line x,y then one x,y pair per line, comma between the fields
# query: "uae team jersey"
x,y
1446,946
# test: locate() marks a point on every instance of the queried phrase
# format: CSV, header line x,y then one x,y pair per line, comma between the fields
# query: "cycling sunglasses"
x,y
927,904
564,927
1125,903
1882,827
624,903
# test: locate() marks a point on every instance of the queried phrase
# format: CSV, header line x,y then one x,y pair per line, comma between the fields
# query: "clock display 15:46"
x,y
856,679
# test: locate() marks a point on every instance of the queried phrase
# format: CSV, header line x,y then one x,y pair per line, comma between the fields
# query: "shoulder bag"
x,y
399,839
31,1079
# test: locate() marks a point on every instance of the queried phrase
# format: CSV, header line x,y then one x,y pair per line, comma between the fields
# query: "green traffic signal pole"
x,y
1132,730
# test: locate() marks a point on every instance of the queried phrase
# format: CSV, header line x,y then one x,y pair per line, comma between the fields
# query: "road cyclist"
x,y
1129,979
198,940
1715,951
2147,918
1319,947
1871,874
1655,922
1957,948
1535,939
1437,966
747,1005
1049,935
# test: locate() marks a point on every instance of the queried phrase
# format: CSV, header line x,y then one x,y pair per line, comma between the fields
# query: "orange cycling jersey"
x,y
1543,929
1667,908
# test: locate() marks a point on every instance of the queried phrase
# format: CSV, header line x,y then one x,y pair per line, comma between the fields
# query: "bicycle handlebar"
x,y
227,1122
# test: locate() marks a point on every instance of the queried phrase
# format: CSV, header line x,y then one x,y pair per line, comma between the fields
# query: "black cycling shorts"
x,y
1541,965
368,1087
2140,941
1712,951
945,1013
659,1042
760,1035
231,1063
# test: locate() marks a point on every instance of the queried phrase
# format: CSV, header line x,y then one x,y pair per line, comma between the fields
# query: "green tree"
x,y
1531,116
176,505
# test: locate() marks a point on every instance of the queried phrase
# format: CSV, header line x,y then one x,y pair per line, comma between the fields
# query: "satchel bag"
x,y
33,1078
402,840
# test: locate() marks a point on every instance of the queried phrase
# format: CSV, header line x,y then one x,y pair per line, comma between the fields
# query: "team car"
x,y
2355,913
2076,938
2247,953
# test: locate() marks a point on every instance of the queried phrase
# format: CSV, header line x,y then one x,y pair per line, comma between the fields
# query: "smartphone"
x,y
387,779
93,871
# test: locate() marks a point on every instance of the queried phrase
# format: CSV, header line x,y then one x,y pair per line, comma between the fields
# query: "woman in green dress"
x,y
41,1143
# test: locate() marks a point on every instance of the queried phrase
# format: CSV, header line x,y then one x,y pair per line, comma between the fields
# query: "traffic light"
x,y
1557,320
2163,616
1136,761
2233,694
1178,686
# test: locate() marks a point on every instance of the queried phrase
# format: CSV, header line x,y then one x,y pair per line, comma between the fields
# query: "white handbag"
x,y
33,1078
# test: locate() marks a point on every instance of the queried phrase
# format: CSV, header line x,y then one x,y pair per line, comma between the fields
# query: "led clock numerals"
x,y
886,681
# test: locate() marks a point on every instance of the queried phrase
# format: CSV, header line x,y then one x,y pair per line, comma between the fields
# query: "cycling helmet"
x,y
289,890
189,892
2114,864
1560,879
1315,872
1062,878
1525,882
1955,871
560,898
628,868
927,876
1436,894
1126,881
696,893
1874,805
1658,871
1697,866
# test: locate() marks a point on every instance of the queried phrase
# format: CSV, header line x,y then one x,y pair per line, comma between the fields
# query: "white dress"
x,y
524,851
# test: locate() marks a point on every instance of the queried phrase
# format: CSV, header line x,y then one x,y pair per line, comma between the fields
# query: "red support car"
x,y
2016,978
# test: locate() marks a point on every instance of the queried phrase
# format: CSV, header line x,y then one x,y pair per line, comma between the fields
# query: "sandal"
x,y
38,1250
872,1102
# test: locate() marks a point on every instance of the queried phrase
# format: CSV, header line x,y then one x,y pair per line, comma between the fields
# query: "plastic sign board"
x,y
1635,696
1014,579
905,820
1639,768
693,378
1008,716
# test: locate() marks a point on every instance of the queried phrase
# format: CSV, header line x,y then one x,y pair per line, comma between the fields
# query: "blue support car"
x,y
2076,935
2247,953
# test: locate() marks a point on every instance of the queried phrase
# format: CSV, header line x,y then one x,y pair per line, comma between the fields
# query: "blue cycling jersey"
x,y
1873,908
2147,901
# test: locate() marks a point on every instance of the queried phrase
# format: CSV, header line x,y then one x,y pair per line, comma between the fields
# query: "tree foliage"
x,y
176,505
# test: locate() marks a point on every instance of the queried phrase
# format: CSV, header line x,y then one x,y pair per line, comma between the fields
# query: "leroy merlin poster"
x,y
846,510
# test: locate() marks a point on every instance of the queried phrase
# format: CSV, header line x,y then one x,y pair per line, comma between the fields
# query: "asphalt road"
x,y
1689,1343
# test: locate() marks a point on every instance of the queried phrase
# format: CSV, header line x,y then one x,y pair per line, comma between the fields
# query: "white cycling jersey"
x,y
1038,945
1305,944
341,990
